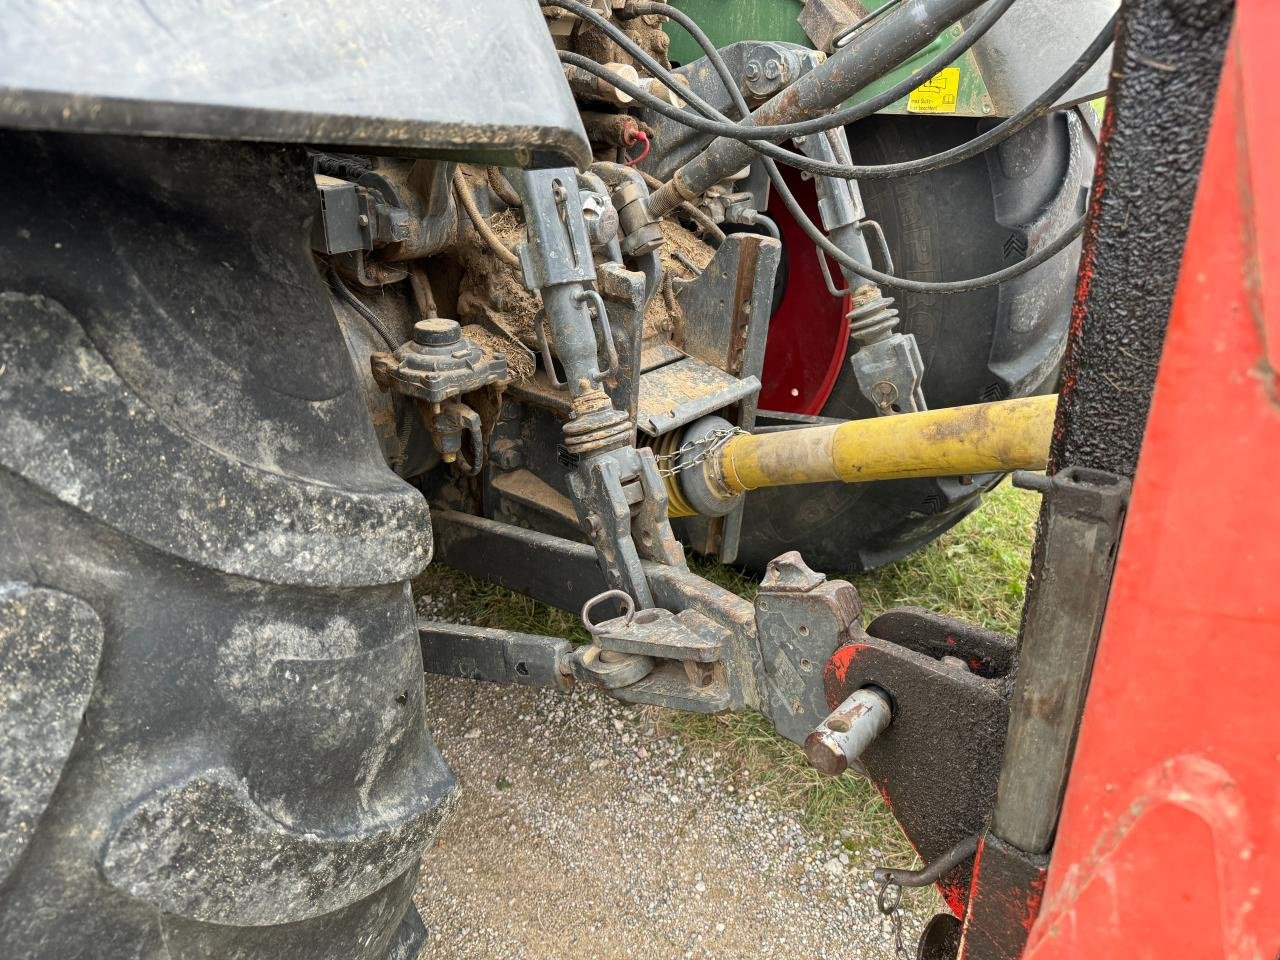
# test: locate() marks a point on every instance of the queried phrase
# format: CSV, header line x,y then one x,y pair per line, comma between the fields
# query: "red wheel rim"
x,y
808,333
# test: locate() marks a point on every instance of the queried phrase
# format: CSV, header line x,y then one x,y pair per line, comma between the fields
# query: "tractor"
x,y
298,299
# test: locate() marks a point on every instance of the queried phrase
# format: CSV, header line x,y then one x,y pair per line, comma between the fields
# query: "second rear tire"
x,y
965,220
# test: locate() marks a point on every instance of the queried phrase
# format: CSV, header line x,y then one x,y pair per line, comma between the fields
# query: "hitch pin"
x,y
840,739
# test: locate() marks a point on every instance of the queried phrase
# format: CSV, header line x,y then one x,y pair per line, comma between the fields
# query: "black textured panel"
x,y
1165,78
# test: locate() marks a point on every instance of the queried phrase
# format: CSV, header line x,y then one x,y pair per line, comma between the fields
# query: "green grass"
x,y
976,571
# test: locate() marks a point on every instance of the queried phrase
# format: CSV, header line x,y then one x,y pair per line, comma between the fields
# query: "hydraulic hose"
x,y
478,221
1007,128
788,198
864,59
865,270
840,118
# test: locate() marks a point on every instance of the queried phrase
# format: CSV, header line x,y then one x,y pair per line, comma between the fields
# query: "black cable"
x,y
818,237
404,423
1037,108
1042,105
841,38
799,128
369,316
1045,254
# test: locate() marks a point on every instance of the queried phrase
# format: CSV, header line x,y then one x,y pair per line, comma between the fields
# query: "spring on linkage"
x,y
873,316
595,425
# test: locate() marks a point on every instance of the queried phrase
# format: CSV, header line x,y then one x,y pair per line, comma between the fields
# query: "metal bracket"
x,y
801,618
1083,515
703,618
683,651
939,759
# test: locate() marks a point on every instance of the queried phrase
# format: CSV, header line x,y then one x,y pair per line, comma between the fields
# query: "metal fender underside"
x,y
433,78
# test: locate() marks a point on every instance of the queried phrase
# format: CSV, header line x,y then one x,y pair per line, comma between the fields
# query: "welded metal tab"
x,y
660,633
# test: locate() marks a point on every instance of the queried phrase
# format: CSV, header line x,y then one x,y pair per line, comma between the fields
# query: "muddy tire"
x,y
212,738
966,220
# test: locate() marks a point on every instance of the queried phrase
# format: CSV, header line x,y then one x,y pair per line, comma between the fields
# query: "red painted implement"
x,y
1169,842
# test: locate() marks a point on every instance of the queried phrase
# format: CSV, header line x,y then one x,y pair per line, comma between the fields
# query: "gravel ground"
x,y
581,831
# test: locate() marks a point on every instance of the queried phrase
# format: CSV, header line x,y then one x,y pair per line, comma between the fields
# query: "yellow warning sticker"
x,y
938,94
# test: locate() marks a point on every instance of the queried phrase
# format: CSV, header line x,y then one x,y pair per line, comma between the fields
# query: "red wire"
x,y
643,138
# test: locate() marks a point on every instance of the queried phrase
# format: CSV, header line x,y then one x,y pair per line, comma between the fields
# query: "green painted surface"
x,y
728,21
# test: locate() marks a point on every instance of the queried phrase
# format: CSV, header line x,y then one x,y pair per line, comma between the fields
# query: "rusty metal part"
x,y
434,369
934,871
938,762
887,364
587,86
595,425
841,738
770,67
449,423
495,656
641,230
612,671
659,633
437,364
628,611
709,227
768,662
727,307
687,650
1080,530
689,389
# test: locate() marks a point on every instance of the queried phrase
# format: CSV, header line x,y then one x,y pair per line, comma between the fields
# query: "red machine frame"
x,y
1169,841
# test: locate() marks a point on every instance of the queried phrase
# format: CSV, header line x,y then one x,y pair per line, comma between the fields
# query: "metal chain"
x,y
671,463
889,903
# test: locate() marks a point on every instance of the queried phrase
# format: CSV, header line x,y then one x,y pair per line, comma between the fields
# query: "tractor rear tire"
x,y
965,220
212,737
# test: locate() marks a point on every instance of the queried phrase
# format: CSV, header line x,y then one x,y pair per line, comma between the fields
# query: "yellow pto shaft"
x,y
982,438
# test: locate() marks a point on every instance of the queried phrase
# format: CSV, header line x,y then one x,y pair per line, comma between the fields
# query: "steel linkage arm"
x,y
619,498
703,649
887,364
